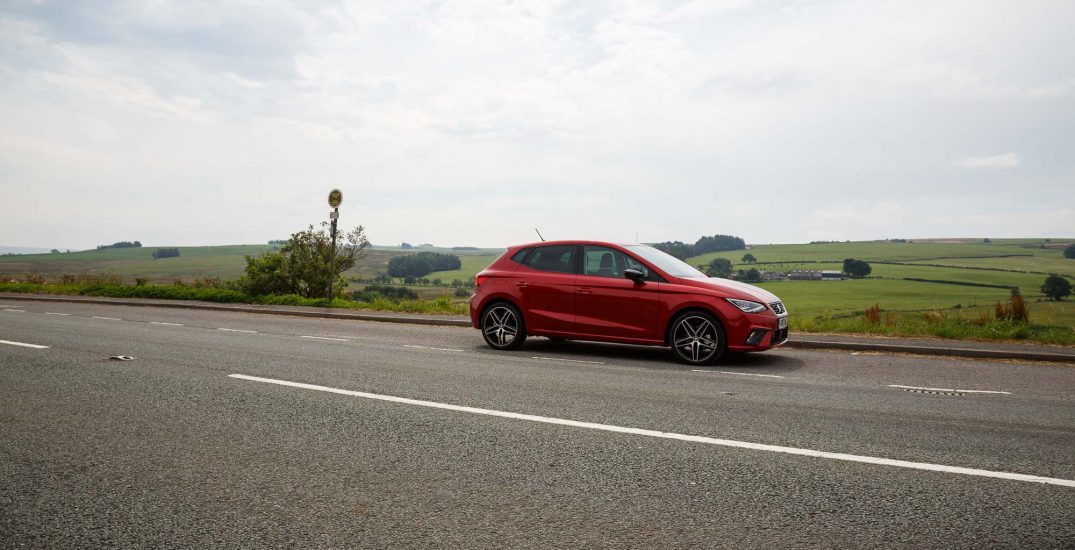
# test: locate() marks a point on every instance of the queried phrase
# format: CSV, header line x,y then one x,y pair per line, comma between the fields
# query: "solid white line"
x,y
107,318
23,344
325,338
740,373
15,310
670,435
166,324
238,330
427,347
948,390
63,314
568,360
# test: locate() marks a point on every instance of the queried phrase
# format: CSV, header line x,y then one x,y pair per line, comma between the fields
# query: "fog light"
x,y
756,336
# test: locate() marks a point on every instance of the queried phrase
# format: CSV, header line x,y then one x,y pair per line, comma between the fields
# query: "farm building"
x,y
825,275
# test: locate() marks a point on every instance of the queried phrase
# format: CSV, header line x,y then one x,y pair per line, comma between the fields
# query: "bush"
x,y
1069,252
165,253
373,293
719,267
33,278
1015,311
462,293
307,265
872,315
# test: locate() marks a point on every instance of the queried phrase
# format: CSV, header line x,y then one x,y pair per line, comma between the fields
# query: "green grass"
x,y
470,267
171,292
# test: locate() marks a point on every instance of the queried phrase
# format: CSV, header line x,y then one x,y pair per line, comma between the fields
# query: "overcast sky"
x,y
472,122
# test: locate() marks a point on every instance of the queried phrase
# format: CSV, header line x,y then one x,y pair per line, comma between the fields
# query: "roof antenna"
x,y
539,234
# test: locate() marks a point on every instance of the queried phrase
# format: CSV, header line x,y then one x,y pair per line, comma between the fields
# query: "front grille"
x,y
778,307
779,336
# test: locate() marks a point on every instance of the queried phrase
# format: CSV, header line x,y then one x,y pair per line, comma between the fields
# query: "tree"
x,y
718,243
678,249
1069,252
305,265
406,246
856,268
719,267
752,276
1056,287
422,264
749,258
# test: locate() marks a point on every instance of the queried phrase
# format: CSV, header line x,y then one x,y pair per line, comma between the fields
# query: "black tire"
x,y
503,327
697,338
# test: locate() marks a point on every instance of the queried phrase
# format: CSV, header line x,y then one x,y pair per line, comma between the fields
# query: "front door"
x,y
609,304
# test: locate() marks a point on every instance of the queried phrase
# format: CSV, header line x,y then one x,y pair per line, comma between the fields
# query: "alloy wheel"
x,y
501,326
696,339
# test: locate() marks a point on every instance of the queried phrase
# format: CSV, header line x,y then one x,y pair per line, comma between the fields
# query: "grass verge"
x,y
442,304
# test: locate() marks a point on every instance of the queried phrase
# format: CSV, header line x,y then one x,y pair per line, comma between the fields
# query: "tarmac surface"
x,y
348,433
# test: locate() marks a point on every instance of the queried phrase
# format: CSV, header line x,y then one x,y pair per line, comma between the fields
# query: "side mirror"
x,y
635,275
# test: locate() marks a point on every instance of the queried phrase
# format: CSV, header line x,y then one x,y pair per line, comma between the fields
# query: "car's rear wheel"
x,y
697,338
502,326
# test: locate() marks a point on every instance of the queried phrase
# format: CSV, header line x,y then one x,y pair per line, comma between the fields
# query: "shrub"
x,y
139,281
934,316
462,293
872,315
1015,311
1069,252
372,293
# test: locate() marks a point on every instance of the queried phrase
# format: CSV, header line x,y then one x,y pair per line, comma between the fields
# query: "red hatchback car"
x,y
634,294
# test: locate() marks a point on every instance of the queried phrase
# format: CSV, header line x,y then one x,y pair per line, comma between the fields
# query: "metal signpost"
x,y
335,197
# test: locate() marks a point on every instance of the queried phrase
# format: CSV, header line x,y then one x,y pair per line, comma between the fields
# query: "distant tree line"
x,y
278,242
121,244
714,243
165,253
422,264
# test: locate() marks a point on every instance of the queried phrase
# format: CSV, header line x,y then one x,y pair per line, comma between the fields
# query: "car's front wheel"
x,y
697,338
502,326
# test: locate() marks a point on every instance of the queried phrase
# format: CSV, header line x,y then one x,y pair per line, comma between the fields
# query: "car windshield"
x,y
665,262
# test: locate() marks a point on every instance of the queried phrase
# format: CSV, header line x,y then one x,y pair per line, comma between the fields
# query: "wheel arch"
x,y
688,308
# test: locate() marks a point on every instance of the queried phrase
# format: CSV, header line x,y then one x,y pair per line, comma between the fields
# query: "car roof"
x,y
572,242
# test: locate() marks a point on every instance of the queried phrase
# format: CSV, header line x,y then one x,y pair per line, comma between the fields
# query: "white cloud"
x,y
1005,160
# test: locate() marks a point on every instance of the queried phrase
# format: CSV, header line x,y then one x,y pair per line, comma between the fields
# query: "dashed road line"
x,y
568,360
671,435
15,310
740,373
326,338
430,348
238,330
947,390
162,323
107,318
23,344
54,313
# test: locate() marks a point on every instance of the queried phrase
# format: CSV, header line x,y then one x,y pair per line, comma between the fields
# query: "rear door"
x,y
545,286
609,304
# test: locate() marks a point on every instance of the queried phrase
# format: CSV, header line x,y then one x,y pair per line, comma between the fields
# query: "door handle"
x,y
522,284
585,291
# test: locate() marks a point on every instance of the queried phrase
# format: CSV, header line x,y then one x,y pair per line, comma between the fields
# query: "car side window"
x,y
558,258
600,261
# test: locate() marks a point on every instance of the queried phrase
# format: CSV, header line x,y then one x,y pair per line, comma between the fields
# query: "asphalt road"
x,y
409,436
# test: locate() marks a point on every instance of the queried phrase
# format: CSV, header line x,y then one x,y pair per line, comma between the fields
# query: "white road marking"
x,y
23,344
166,324
948,390
670,435
107,318
15,310
325,338
427,347
52,313
740,373
238,330
568,360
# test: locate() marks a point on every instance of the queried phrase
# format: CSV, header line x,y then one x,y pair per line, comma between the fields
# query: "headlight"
x,y
747,306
